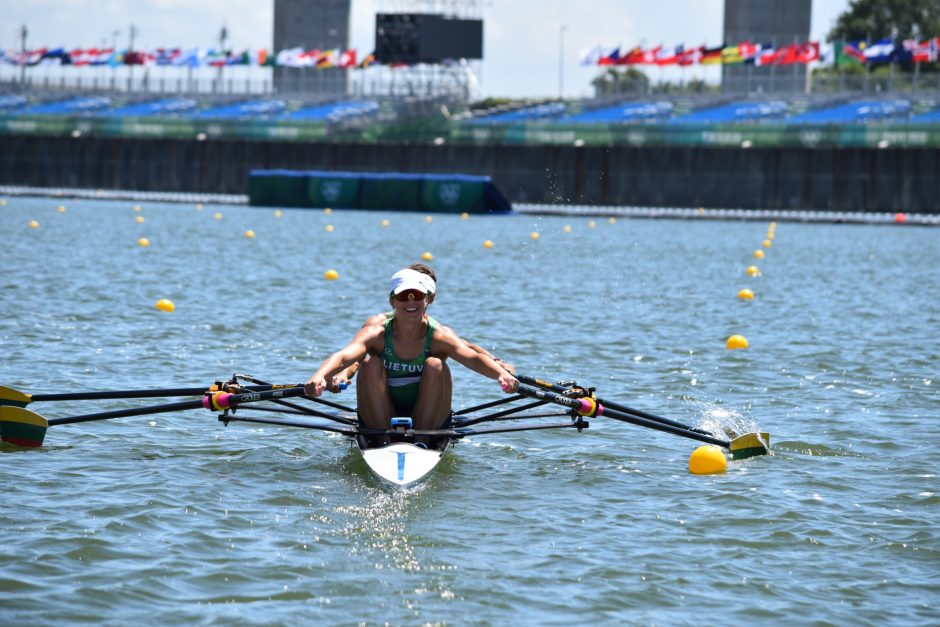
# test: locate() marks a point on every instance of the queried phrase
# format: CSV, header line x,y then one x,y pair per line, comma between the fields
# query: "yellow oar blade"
x,y
9,396
21,427
749,445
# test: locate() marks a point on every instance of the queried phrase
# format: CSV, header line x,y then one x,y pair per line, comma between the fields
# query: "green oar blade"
x,y
21,427
750,445
9,396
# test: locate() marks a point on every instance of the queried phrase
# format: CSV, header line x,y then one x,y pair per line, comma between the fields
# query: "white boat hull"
x,y
402,464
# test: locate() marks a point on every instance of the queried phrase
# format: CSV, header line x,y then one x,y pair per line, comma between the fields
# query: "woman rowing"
x,y
412,349
373,367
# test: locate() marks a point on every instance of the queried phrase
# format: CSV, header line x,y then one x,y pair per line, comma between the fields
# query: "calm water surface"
x,y
175,519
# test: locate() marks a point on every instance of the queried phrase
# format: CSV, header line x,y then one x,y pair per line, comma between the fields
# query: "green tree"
x,y
898,19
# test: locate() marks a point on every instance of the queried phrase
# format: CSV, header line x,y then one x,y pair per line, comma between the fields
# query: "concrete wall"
x,y
845,179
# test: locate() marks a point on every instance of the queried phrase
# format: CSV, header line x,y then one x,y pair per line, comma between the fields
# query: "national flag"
x,y
731,55
711,56
881,51
590,56
668,56
289,57
767,54
166,56
347,59
924,51
690,56
55,56
748,51
850,53
633,57
367,61
611,58
327,59
101,56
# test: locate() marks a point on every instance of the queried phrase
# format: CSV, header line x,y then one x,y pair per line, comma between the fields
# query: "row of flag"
x,y
843,52
191,57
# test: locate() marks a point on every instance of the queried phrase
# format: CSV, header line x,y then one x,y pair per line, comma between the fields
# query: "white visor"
x,y
409,279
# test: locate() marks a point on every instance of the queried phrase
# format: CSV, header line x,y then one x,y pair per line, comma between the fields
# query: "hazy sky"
x,y
521,38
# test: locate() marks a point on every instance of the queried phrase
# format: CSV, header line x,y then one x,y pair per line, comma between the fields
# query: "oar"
x,y
743,446
612,405
9,396
21,427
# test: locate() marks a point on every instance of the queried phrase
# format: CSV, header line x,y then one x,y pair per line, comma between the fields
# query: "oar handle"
x,y
590,407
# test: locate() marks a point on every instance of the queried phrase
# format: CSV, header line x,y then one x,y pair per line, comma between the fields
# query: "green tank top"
x,y
404,376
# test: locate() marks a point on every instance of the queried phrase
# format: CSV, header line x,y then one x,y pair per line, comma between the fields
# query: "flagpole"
x,y
23,33
561,62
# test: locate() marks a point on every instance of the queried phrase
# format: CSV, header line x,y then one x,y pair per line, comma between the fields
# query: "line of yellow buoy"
x,y
739,341
709,459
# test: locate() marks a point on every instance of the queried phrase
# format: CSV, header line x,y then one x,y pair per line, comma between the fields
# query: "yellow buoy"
x,y
61,209
165,304
137,208
3,202
735,342
592,224
464,215
746,294
752,271
198,206
612,220
278,213
428,219
707,460
218,215
766,243
385,222
331,275
427,256
139,219
329,228
487,244
327,210
758,254
567,229
33,224
701,210
534,235
144,242
772,225
249,234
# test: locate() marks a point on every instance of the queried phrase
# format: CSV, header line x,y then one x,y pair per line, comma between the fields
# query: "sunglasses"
x,y
407,295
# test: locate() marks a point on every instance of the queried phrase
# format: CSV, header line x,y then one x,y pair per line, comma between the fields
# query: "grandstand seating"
x,y
929,117
153,108
12,102
250,109
334,112
856,112
625,113
72,106
735,112
524,114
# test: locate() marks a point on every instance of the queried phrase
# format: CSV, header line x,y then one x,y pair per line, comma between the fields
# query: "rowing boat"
x,y
399,456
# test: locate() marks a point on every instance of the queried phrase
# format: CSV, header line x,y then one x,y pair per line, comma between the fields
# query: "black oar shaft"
x,y
614,405
112,394
226,401
124,413
576,404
